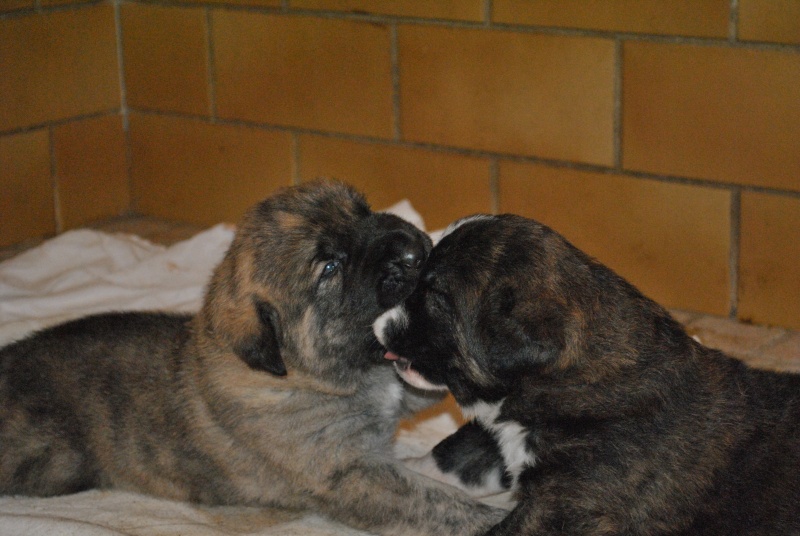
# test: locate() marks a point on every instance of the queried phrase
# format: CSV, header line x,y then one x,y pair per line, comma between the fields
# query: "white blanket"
x,y
84,272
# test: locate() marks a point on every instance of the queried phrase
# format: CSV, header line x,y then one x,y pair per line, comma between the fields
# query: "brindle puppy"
x,y
610,419
275,393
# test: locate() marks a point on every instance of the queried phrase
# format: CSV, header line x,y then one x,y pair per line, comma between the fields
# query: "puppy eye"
x,y
330,268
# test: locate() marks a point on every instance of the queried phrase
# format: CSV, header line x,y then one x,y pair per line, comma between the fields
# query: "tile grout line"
x,y
57,122
38,8
735,238
54,182
494,185
123,90
394,59
211,74
296,179
124,111
733,22
617,126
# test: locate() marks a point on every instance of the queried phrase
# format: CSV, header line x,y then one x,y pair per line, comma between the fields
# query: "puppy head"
x,y
306,275
503,299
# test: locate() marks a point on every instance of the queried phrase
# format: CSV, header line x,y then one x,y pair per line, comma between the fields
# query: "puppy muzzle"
x,y
401,257
412,377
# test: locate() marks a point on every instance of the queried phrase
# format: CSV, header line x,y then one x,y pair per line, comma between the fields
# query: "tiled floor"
x,y
761,346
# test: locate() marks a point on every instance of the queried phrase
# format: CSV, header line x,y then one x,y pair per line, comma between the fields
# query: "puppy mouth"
x,y
400,363
411,376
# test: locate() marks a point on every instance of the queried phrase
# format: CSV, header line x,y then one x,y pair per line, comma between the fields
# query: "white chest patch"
x,y
393,396
510,436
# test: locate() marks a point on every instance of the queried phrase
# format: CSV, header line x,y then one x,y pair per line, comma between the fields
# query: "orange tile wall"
x,y
661,136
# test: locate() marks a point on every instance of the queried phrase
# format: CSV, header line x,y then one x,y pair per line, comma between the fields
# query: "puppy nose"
x,y
401,263
412,258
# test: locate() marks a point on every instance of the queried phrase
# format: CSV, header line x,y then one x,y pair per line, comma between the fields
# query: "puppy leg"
x,y
519,521
470,460
415,400
41,459
384,497
566,501
561,520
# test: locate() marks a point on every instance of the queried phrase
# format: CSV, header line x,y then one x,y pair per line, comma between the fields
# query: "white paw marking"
x,y
510,435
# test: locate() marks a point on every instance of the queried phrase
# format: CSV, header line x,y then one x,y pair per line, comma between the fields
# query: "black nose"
x,y
411,256
402,264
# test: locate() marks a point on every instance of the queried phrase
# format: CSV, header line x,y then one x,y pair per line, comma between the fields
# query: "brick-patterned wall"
x,y
62,144
662,136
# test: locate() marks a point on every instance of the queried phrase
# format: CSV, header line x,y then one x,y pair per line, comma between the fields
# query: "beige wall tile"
x,y
26,202
442,187
166,59
440,9
304,72
91,170
776,21
192,171
57,65
670,240
51,3
256,3
549,96
12,5
769,260
706,18
725,114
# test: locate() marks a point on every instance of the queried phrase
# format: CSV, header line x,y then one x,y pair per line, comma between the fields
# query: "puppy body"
x,y
274,394
609,417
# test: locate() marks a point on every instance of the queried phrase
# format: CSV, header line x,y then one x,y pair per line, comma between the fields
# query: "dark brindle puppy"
x,y
276,393
610,419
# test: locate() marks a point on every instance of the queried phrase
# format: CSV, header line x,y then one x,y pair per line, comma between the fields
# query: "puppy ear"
x,y
261,351
526,334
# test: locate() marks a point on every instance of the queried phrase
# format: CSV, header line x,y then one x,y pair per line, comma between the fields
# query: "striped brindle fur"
x,y
589,398
274,394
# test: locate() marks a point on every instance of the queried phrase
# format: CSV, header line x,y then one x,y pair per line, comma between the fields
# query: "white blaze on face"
x,y
458,223
396,315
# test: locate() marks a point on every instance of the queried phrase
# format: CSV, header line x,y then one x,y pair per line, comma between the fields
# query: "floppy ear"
x,y
261,351
524,335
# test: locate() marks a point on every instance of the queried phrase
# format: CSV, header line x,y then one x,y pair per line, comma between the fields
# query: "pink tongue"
x,y
391,356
